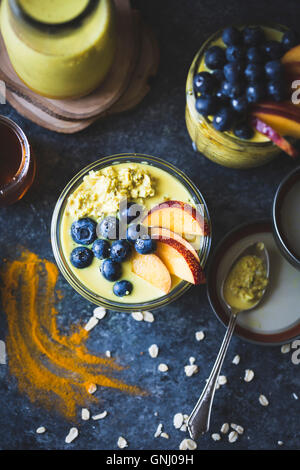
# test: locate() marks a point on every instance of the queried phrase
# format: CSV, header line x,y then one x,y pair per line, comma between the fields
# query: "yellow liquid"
x,y
53,11
167,188
65,64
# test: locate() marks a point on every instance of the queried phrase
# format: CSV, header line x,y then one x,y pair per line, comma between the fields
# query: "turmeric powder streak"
x,y
54,370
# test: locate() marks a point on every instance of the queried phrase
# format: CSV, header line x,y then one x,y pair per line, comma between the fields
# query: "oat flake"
x,y
187,444
122,443
153,350
41,430
99,312
100,416
178,420
73,433
163,368
138,316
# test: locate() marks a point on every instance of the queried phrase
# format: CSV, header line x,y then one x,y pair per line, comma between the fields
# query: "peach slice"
x,y
157,232
278,140
152,269
179,260
178,217
293,55
280,118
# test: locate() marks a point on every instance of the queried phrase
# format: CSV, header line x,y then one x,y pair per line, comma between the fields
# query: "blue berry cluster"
x,y
110,248
247,70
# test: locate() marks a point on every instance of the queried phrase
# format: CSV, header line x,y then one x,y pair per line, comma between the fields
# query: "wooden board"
x,y
136,61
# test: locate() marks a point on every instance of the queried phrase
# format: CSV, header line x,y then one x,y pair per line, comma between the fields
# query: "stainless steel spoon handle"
x,y
199,419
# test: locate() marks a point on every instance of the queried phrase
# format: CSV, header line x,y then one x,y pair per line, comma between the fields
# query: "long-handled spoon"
x,y
199,419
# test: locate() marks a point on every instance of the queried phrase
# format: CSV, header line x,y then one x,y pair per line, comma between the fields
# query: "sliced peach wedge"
x,y
178,217
153,270
284,118
179,260
160,232
293,55
266,129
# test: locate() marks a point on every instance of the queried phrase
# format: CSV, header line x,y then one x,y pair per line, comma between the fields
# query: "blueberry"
x,y
109,227
253,35
111,270
206,105
130,211
231,36
243,130
223,119
81,257
273,50
255,92
255,54
120,250
240,104
204,83
232,90
235,53
254,72
215,57
101,248
83,231
122,288
219,76
145,246
277,90
273,69
290,39
136,231
232,71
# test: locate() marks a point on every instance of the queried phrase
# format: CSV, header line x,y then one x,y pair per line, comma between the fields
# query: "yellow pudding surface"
x,y
271,34
67,63
156,186
53,11
246,282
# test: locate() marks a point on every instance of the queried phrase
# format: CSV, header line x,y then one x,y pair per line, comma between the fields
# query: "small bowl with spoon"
x,y
242,289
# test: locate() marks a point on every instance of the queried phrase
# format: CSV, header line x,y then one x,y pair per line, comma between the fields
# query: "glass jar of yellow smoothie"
x,y
59,49
225,148
94,195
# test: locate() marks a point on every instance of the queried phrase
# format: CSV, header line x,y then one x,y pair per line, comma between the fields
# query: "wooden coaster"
x,y
136,61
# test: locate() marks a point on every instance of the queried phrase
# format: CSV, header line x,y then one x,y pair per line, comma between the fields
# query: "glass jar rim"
x,y
194,67
105,161
52,28
25,148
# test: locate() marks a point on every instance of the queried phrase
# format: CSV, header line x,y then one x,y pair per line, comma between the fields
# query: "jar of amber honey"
x,y
17,164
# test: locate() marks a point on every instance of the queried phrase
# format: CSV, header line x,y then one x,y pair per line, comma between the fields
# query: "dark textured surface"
x,y
157,127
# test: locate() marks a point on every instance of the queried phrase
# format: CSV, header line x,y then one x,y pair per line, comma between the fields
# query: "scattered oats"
x,y
158,430
153,350
199,335
163,368
155,413
216,436
185,418
232,437
236,360
192,360
92,388
263,400
85,414
187,444
285,348
2,352
122,443
40,430
249,374
225,428
190,370
107,353
100,416
295,396
183,428
99,312
165,435
280,443
239,429
222,380
93,321
138,316
148,316
73,433
178,420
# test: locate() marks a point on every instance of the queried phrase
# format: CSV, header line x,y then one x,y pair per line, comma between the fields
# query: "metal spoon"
x,y
199,419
